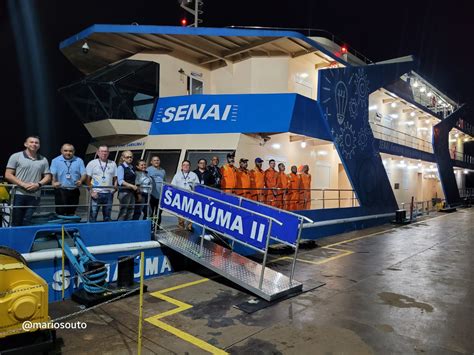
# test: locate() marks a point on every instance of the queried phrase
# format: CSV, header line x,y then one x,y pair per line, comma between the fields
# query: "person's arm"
x,y
120,179
82,171
54,174
12,179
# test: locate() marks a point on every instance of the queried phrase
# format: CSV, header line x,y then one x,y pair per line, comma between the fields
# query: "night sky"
x,y
439,35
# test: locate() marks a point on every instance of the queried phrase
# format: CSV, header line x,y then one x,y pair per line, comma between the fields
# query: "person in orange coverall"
x,y
257,181
271,183
229,174
294,186
306,185
243,179
283,184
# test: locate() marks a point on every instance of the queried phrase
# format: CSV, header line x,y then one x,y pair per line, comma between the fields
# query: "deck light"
x,y
466,139
427,121
412,114
415,84
322,152
344,49
429,94
394,115
410,123
184,21
303,144
466,172
456,135
372,108
393,104
422,89
276,145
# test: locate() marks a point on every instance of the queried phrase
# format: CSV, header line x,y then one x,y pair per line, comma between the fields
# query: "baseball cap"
x,y
242,160
259,160
231,155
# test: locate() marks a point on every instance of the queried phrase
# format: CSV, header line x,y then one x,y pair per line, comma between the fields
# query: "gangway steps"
x,y
234,267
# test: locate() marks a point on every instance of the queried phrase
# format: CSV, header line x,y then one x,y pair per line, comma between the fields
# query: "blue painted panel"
x,y
343,94
443,156
101,233
307,119
156,264
241,225
223,114
235,200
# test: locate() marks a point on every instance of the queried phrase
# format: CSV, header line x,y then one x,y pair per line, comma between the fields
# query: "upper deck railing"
x,y
392,135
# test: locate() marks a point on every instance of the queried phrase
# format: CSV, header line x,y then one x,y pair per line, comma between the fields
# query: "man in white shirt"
x,y
102,172
185,179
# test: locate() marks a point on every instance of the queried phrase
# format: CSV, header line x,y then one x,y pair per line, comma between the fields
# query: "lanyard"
x,y
68,166
103,169
185,177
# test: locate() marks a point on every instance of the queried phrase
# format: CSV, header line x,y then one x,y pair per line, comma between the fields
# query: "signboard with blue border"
x,y
239,224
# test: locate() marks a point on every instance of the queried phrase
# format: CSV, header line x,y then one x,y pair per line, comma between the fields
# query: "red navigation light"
x,y
344,49
184,21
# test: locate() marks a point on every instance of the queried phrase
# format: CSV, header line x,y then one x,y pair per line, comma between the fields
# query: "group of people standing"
x,y
138,186
275,188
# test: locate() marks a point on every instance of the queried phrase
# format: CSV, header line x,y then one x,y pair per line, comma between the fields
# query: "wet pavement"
x,y
406,289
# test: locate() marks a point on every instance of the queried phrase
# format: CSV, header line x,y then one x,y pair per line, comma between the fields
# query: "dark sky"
x,y
439,34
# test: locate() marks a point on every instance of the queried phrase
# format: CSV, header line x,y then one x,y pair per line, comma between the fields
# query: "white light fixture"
x,y
419,165
466,172
303,144
456,135
394,115
422,89
415,84
402,161
466,139
422,128
303,75
427,121
393,104
372,107
431,167
322,152
429,94
412,114
276,145
410,123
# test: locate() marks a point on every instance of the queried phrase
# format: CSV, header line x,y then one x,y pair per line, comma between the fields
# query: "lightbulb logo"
x,y
341,101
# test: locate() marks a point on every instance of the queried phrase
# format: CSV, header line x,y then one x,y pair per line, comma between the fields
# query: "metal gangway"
x,y
241,221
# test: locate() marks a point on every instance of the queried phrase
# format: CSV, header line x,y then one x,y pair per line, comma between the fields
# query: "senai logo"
x,y
197,112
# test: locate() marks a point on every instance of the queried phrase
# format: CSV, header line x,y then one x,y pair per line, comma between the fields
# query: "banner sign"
x,y
232,221
287,232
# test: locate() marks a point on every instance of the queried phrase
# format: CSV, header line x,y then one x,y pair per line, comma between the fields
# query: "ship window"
x,y
126,90
169,160
194,155
196,86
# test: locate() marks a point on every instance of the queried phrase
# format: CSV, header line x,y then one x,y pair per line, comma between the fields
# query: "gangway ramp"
x,y
240,225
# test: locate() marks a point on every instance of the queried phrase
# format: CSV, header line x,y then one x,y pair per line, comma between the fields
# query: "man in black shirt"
x,y
216,172
204,174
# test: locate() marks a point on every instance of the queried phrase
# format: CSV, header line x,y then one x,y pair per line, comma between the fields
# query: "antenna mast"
x,y
194,8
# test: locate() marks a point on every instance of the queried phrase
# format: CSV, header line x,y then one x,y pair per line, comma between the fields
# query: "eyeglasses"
x,y
129,157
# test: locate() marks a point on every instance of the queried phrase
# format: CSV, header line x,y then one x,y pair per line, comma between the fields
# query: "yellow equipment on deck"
x,y
23,294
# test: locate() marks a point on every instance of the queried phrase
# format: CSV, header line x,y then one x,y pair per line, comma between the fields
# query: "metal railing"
x,y
299,199
391,135
422,207
466,192
466,158
47,210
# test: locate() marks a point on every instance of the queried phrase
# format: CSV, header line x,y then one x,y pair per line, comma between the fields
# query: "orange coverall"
x,y
305,203
271,181
293,196
229,178
283,183
257,182
243,183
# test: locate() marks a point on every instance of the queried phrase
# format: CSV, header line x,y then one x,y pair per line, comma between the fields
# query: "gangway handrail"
x,y
258,202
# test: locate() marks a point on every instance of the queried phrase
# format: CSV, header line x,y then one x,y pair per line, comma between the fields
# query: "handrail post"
x,y
89,202
264,263
339,197
293,265
12,198
323,199
202,240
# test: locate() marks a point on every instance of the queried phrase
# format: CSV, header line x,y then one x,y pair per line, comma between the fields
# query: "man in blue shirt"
x,y
158,176
69,173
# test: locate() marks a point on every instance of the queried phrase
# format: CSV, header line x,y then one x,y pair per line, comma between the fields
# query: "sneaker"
x,y
208,237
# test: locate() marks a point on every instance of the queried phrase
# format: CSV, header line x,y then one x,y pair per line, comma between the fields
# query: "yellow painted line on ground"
x,y
180,307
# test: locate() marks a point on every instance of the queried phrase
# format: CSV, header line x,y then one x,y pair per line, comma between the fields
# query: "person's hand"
x,y
56,184
94,194
134,187
78,183
31,186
